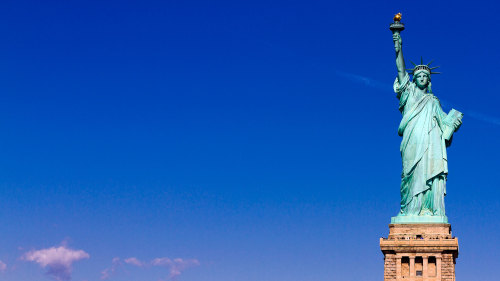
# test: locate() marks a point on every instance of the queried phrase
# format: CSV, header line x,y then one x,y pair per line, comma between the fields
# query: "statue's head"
x,y
422,79
422,75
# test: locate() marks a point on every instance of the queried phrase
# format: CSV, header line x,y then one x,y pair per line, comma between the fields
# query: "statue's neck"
x,y
422,91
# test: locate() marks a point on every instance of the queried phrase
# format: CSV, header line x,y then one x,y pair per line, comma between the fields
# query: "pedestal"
x,y
419,252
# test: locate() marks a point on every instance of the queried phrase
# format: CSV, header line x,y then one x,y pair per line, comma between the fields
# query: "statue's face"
x,y
422,80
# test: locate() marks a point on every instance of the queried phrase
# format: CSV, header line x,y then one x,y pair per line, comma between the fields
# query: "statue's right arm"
x,y
400,62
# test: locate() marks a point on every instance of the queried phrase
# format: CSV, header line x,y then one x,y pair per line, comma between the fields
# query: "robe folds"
x,y
423,151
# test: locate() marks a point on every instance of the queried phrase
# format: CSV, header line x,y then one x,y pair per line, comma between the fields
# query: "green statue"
x,y
426,130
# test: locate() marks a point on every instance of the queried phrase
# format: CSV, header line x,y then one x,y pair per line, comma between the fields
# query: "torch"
x,y
397,26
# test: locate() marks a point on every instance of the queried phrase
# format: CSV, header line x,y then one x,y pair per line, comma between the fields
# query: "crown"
x,y
423,67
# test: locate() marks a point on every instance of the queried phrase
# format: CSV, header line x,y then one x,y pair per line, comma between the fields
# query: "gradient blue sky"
x,y
254,140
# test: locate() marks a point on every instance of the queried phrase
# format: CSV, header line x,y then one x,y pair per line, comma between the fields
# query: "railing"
x,y
416,239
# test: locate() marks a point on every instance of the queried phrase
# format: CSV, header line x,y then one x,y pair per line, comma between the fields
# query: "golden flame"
x,y
397,17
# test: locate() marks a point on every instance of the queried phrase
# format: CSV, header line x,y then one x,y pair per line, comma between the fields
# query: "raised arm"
x,y
400,62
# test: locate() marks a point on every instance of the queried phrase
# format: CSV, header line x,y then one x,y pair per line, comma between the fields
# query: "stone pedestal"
x,y
419,252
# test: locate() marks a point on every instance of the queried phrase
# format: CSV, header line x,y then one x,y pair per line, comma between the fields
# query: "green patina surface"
x,y
426,131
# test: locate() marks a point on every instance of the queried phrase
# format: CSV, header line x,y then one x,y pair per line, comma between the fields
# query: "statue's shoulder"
x,y
400,87
434,97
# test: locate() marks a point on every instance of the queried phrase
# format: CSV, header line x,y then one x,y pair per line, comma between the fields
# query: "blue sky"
x,y
231,140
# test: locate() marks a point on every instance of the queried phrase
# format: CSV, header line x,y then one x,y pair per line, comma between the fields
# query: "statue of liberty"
x,y
426,130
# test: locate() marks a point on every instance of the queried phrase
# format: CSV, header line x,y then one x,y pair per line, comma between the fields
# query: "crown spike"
x,y
421,60
434,67
430,62
435,72
414,64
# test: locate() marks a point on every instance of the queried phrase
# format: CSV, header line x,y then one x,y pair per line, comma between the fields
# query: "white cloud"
x,y
58,261
174,266
134,261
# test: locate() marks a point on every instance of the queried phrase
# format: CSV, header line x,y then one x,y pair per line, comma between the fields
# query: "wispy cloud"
x,y
367,81
174,266
134,261
3,266
58,261
370,82
106,273
483,117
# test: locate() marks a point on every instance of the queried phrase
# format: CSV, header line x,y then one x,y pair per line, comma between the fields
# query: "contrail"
x,y
367,81
484,118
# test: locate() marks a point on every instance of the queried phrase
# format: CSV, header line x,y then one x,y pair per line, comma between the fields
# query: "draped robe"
x,y
423,151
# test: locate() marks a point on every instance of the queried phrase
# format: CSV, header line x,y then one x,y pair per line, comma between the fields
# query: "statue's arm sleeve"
x,y
401,88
